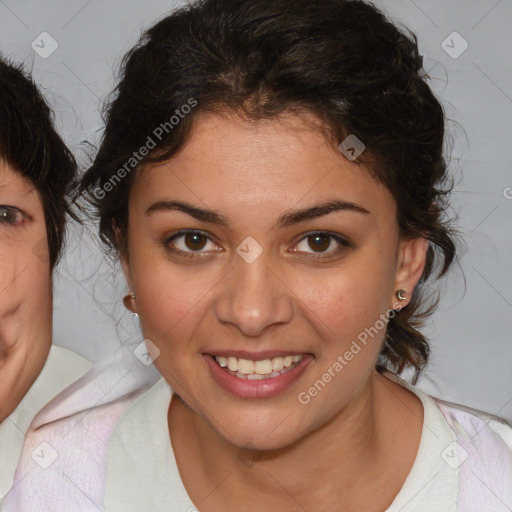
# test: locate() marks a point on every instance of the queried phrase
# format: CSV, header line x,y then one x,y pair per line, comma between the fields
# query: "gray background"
x,y
471,343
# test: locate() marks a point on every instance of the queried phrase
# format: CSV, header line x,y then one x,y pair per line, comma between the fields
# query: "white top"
x,y
61,369
63,460
142,473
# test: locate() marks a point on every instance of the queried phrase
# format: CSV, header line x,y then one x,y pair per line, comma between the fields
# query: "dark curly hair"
x,y
31,146
341,60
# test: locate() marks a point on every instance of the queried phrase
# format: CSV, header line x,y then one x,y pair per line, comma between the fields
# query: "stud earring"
x,y
127,301
400,294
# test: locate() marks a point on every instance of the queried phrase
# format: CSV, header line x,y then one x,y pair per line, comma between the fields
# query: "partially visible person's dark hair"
x,y
341,60
30,145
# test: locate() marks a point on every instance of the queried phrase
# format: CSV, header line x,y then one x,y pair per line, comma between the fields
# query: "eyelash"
x,y
344,244
11,210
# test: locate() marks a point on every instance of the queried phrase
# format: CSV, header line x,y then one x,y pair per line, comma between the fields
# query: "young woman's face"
x,y
232,256
25,288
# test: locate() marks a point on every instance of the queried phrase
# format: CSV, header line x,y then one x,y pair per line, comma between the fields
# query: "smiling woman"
x,y
36,173
277,243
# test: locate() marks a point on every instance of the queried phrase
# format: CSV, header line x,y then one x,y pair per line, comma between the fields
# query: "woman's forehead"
x,y
243,147
268,166
246,152
13,181
292,127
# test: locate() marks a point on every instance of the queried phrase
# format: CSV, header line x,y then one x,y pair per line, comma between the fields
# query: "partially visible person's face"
x,y
268,287
25,289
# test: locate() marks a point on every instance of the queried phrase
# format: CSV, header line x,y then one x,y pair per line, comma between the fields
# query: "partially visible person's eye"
x,y
187,242
11,216
320,242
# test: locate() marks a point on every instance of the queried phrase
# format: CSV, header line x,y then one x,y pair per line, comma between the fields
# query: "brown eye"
x,y
189,242
320,242
194,241
10,215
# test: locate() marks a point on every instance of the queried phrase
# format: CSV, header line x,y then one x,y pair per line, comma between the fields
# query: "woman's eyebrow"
x,y
287,219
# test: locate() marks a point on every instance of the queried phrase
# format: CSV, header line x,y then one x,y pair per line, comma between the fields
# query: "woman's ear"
x,y
122,249
128,300
125,266
412,256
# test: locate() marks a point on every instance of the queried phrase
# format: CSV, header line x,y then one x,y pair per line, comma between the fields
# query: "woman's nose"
x,y
254,297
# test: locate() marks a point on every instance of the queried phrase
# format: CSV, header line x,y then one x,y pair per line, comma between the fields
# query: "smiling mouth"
x,y
248,369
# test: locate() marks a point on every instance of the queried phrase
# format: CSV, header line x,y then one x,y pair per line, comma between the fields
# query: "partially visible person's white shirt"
x,y
142,473
62,463
62,368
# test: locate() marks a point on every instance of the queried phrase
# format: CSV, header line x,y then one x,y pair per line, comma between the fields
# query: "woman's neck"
x,y
358,460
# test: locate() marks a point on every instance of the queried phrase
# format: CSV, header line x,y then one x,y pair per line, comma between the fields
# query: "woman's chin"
x,y
246,442
257,433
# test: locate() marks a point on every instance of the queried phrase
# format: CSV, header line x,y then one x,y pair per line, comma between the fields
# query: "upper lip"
x,y
255,356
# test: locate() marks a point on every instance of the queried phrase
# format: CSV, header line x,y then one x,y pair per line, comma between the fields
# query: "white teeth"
x,y
246,366
278,363
264,368
254,376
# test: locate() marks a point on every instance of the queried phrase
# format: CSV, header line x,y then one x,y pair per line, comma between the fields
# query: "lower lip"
x,y
262,388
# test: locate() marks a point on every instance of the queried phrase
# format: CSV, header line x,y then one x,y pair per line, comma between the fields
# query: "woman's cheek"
x,y
343,301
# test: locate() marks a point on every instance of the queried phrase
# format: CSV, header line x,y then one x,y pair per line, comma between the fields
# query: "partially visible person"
x,y
55,415
37,173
